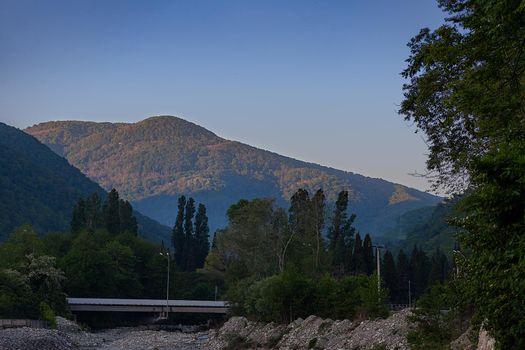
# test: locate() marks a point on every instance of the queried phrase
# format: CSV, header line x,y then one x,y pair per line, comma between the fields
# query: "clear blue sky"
x,y
315,80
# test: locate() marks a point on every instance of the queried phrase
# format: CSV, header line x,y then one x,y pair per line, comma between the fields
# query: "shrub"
x,y
47,314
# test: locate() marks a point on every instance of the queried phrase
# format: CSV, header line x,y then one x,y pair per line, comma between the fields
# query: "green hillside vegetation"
x,y
435,232
100,256
272,264
36,273
156,160
40,188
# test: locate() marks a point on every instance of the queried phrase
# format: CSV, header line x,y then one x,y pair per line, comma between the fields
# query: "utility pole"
x,y
409,295
167,254
378,258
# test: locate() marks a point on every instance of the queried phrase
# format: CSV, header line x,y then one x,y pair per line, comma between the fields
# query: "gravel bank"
x,y
236,333
69,335
314,333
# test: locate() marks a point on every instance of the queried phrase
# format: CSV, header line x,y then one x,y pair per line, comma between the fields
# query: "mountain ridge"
x,y
40,188
154,160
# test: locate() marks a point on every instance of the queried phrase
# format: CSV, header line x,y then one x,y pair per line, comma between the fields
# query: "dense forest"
x,y
101,256
277,265
271,264
38,187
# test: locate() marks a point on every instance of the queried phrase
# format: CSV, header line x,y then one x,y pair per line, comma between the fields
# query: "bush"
x,y
47,314
16,297
287,296
439,317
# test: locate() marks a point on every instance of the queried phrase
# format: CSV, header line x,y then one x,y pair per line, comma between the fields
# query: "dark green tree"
x,y
178,238
78,217
439,268
299,212
128,223
419,270
389,274
403,273
358,258
189,236
93,213
111,212
202,236
318,217
465,92
306,220
368,255
341,236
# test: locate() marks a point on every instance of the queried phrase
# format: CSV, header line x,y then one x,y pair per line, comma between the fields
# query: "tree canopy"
x,y
465,92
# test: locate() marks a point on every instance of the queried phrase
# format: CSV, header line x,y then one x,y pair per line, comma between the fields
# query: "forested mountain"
x,y
432,232
154,161
40,188
426,227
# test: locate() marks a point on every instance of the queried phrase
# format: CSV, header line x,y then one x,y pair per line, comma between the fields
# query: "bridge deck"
x,y
146,305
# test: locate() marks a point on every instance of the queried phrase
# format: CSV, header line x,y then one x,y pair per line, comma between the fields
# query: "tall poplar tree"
x,y
389,274
78,217
318,214
128,223
368,255
112,212
93,214
341,236
419,270
440,268
177,235
403,273
303,231
189,236
202,236
358,259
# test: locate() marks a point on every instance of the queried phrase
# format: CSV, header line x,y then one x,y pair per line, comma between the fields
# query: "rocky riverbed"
x,y
236,333
69,335
313,333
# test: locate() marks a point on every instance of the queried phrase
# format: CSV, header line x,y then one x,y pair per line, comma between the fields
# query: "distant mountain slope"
x,y
40,188
434,232
153,161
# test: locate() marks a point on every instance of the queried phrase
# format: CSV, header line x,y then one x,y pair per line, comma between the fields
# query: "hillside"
x,y
40,188
433,232
153,161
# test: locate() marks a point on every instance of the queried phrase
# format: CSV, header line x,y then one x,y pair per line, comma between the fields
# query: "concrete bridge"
x,y
147,305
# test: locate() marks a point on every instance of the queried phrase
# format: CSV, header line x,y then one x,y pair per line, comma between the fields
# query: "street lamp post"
x,y
167,254
409,295
378,258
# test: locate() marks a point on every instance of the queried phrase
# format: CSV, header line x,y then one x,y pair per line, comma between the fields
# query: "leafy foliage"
x,y
466,94
289,295
267,262
494,230
441,316
28,278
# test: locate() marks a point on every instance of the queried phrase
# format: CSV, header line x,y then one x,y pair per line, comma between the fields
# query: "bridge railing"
x,y
146,305
17,323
